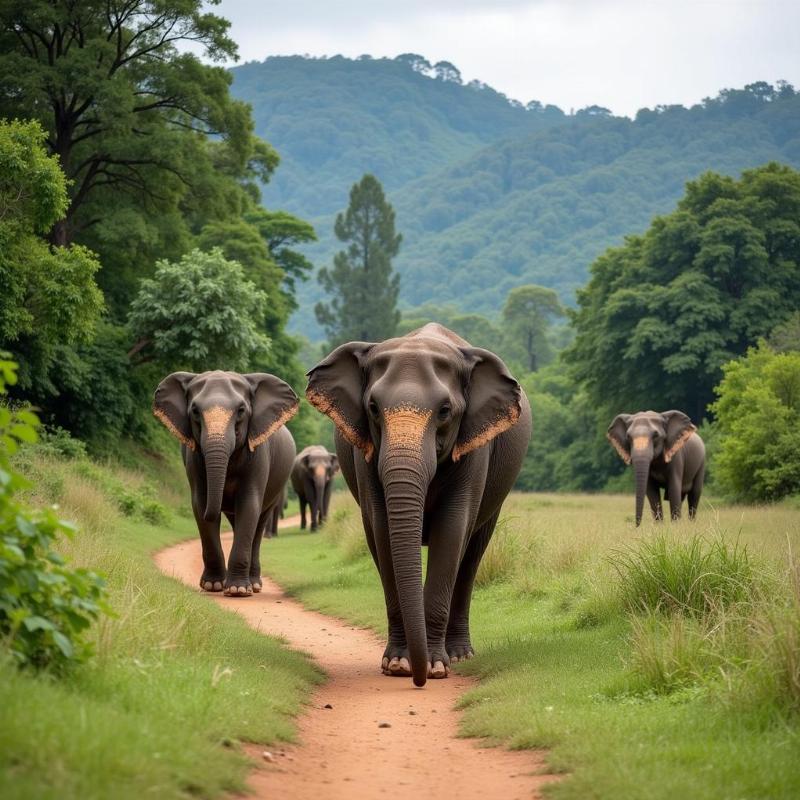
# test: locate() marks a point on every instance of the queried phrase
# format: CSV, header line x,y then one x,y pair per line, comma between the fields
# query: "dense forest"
x,y
491,194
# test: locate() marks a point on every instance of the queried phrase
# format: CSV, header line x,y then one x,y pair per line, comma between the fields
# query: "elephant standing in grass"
x,y
312,477
666,453
238,457
431,434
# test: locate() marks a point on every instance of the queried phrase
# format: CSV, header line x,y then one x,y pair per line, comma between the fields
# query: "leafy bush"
x,y
758,420
44,604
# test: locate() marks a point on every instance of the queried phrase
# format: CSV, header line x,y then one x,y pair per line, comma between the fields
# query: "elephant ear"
x,y
617,434
336,388
273,402
170,407
494,401
678,428
334,464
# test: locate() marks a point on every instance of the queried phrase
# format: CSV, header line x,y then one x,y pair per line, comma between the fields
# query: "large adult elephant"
x,y
666,453
312,476
238,456
430,434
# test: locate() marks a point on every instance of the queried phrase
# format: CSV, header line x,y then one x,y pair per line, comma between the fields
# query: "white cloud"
x,y
621,54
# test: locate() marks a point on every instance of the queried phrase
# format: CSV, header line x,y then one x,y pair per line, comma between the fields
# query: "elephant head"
x,y
413,406
216,414
647,436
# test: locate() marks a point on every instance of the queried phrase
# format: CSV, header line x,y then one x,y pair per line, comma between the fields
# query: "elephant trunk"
x,y
216,458
405,498
641,470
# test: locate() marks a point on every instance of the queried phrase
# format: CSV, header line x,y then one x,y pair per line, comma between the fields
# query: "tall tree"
x,y
363,286
527,314
664,312
117,93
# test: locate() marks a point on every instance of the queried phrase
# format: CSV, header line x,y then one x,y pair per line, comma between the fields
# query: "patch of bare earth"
x,y
365,735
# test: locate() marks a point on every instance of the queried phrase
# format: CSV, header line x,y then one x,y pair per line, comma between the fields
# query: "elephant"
x,y
666,453
431,434
238,455
312,476
271,526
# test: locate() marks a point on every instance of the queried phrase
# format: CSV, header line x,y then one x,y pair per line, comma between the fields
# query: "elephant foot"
x,y
211,582
459,652
255,582
395,662
239,588
439,665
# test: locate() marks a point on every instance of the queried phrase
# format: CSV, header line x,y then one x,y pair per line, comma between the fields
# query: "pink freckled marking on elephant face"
x,y
319,471
641,442
405,426
216,420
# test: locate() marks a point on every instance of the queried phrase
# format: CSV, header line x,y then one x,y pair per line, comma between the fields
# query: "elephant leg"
x,y
248,517
675,494
694,499
457,638
326,502
445,550
213,577
255,552
654,498
302,513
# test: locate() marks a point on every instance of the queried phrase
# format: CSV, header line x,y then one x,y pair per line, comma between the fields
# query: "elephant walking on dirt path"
x,y
431,434
312,477
238,456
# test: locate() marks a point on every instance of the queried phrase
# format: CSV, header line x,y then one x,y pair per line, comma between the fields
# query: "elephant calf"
x,y
238,456
430,434
312,476
666,453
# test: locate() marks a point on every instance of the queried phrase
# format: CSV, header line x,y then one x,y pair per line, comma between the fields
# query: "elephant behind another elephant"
x,y
312,478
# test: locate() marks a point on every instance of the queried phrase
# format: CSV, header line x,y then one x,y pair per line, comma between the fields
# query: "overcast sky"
x,y
622,54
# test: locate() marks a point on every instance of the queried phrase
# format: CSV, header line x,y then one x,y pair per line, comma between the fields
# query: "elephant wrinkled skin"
x,y
666,453
238,456
430,433
312,476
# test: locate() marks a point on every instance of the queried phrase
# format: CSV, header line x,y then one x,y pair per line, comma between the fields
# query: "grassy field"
x,y
657,663
176,683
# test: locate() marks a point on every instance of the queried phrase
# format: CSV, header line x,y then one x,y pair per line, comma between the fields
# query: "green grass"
x,y
657,663
176,682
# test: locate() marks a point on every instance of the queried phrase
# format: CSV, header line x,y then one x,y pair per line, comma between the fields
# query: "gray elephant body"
x,y
312,477
238,456
431,434
667,455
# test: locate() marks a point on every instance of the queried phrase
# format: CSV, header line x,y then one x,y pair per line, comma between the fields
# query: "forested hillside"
x,y
333,119
490,194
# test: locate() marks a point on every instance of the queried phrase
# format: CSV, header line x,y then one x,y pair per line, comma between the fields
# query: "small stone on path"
x,y
327,705
267,756
384,724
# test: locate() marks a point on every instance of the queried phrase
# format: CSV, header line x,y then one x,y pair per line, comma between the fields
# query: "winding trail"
x,y
348,751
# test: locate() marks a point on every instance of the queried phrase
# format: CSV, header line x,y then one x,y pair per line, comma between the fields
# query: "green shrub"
x,y
44,604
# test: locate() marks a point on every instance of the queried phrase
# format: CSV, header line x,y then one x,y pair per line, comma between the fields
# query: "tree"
x,y
758,422
662,314
363,285
199,313
48,296
120,98
527,315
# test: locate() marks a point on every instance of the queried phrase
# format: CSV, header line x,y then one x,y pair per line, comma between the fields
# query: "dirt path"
x,y
348,752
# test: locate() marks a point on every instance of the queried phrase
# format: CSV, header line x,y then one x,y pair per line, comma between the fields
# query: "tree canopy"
x,y
662,314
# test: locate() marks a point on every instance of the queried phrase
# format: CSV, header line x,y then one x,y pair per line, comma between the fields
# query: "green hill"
x,y
491,194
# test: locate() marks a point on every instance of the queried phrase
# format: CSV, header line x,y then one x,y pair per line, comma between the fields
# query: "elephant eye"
x,y
195,411
373,408
444,411
240,412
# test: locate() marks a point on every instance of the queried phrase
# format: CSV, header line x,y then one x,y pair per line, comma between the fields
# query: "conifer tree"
x,y
362,285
